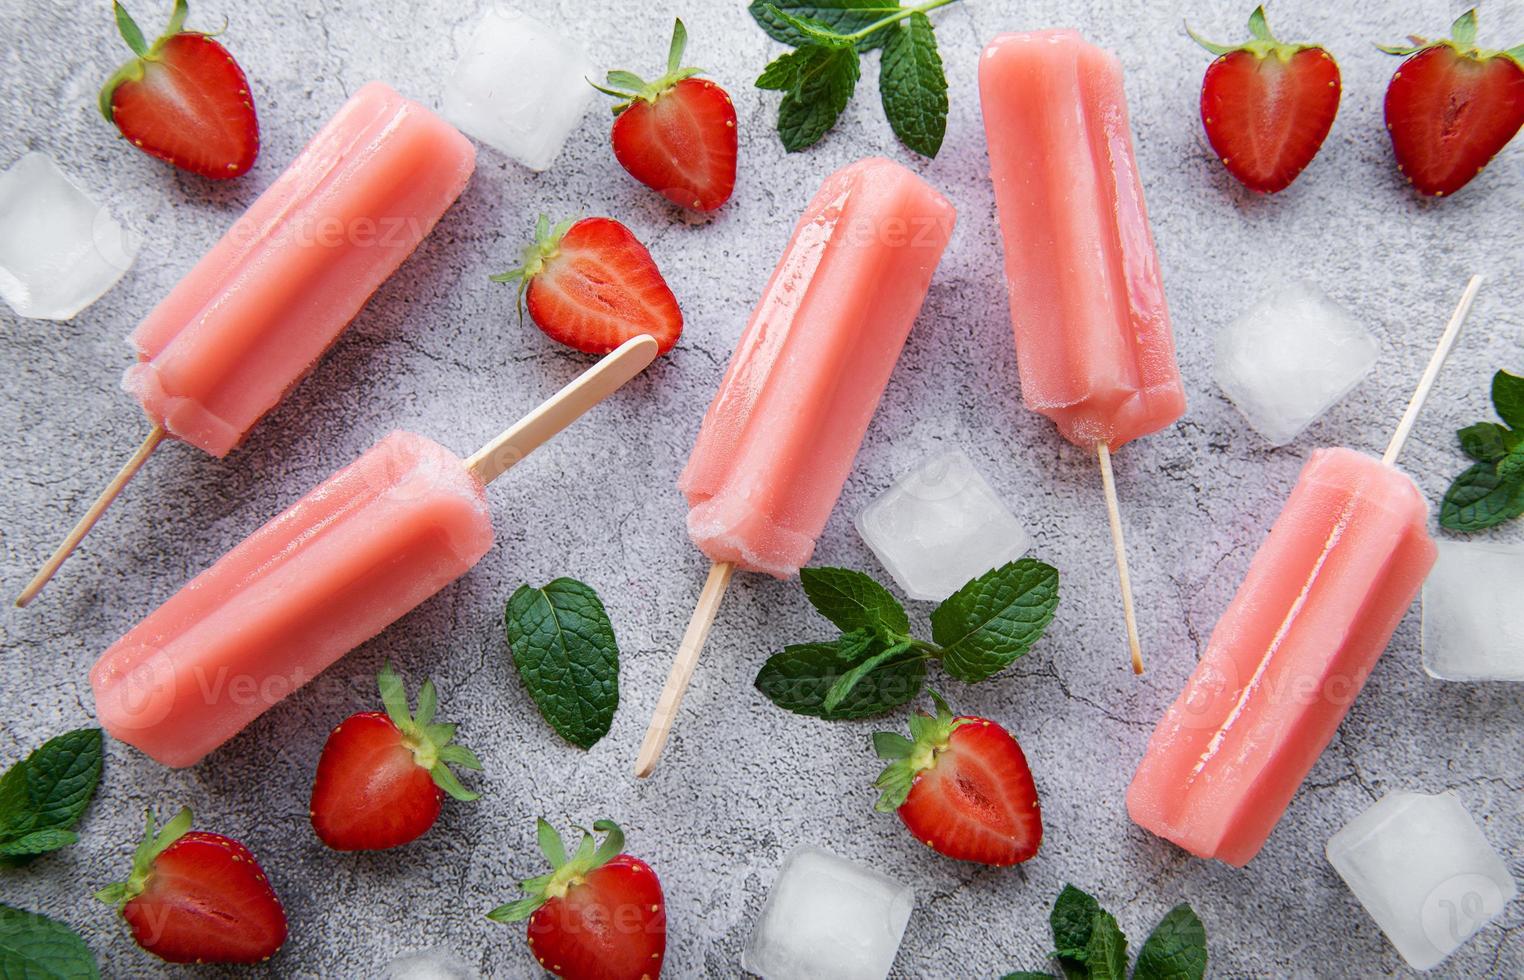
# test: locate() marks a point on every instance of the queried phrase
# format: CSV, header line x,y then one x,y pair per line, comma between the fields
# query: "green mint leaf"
x,y
842,16
1072,919
1485,442
1508,398
853,601
37,842
35,946
813,31
799,678
1027,975
1484,496
50,790
912,84
995,618
1175,950
564,648
782,73
848,682
824,86
1106,953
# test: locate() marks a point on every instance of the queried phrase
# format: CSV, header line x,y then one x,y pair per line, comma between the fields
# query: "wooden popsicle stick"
x,y
563,408
682,667
1431,373
1119,546
151,442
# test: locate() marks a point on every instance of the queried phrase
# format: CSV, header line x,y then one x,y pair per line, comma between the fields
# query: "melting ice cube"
x,y
429,964
1473,619
519,87
59,250
1422,869
828,918
1290,358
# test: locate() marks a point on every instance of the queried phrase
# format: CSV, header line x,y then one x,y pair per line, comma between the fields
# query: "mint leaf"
x,y
1508,398
913,86
800,678
852,600
36,947
1485,442
1106,952
1027,975
823,85
1175,950
847,683
564,648
45,794
1072,920
995,618
37,842
842,16
1484,496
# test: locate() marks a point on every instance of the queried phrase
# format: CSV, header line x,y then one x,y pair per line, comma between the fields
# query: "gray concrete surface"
x,y
440,351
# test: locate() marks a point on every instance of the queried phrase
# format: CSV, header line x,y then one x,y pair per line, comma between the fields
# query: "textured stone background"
x,y
439,351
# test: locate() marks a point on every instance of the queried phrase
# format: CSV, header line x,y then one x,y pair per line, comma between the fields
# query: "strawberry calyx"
x,y
566,872
546,246
1262,43
630,88
429,741
154,843
143,52
1462,41
930,736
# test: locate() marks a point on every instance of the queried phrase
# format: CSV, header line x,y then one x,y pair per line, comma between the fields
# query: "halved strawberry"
x,y
195,897
382,778
599,914
676,135
1452,106
1268,105
591,285
962,786
183,99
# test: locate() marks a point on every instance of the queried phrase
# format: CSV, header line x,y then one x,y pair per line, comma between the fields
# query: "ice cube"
x,y
59,250
1422,869
941,525
519,87
828,918
429,964
1290,358
1473,621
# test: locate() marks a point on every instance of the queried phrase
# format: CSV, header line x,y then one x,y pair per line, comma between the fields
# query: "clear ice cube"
x,y
1473,621
828,918
1422,869
940,526
59,250
519,87
1289,358
429,964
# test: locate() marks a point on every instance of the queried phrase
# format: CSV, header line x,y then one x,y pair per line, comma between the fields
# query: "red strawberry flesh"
x,y
1449,114
370,792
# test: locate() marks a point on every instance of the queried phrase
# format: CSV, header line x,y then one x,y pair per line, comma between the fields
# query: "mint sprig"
x,y
819,77
877,663
1491,491
33,945
564,648
43,796
1091,946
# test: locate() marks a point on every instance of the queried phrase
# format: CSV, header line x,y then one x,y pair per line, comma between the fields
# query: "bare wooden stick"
x,y
1431,373
682,667
1119,546
151,442
563,408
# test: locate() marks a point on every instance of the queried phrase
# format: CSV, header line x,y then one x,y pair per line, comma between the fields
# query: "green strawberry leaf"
x,y
1485,442
913,86
1175,950
853,601
1106,952
564,648
841,16
1072,920
1508,398
1485,496
995,619
823,85
800,678
35,947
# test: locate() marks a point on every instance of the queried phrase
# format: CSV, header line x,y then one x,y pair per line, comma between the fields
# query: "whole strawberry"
x,y
1268,105
962,787
382,778
676,135
183,99
196,897
591,285
1452,106
598,915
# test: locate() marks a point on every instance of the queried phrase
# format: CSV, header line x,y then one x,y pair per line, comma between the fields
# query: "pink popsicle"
x,y
339,566
1093,342
253,316
779,438
1323,596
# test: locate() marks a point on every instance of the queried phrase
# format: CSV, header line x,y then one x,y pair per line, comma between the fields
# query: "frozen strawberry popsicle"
x,y
254,315
339,566
779,438
1093,342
